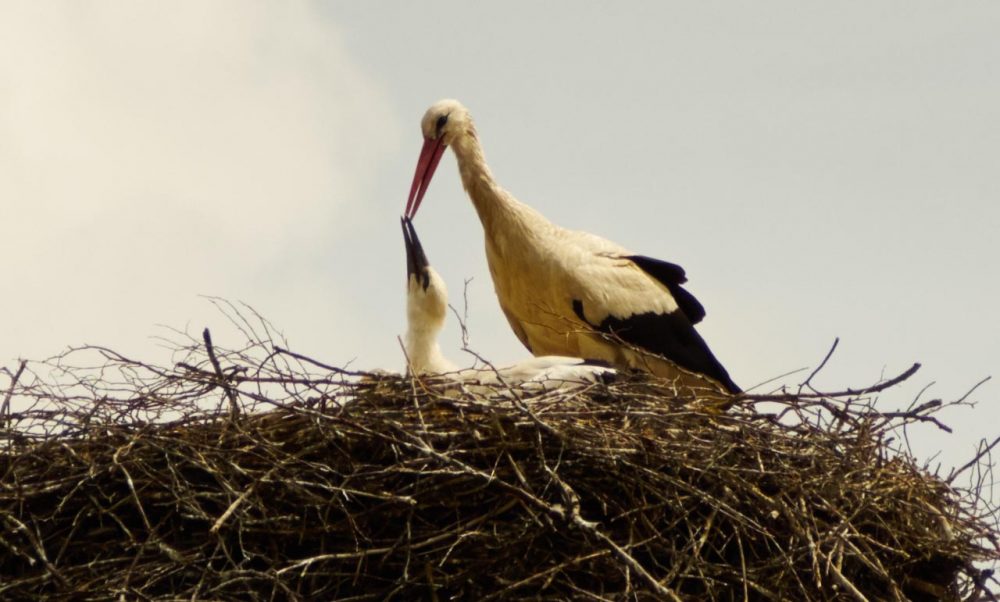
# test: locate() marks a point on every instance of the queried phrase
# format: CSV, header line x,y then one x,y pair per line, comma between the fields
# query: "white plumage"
x,y
566,292
426,309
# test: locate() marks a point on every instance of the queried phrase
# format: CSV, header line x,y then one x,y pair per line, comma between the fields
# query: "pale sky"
x,y
819,169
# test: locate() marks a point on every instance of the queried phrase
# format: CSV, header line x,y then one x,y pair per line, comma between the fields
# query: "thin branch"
x,y
223,380
5,408
317,363
821,364
882,386
974,461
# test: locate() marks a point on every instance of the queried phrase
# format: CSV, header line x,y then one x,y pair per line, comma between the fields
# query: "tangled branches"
x,y
257,474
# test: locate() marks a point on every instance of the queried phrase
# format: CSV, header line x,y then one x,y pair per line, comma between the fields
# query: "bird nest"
x,y
259,474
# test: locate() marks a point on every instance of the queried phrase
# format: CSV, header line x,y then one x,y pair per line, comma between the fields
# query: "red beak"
x,y
430,156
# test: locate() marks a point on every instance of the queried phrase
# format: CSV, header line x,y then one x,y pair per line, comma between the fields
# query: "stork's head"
x,y
426,295
442,124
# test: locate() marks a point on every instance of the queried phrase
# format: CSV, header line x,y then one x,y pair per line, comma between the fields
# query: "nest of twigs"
x,y
261,475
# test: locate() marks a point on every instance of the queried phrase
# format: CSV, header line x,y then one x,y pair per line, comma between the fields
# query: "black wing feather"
x,y
672,276
671,335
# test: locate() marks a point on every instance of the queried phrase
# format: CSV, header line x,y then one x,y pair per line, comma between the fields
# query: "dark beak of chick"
x,y
416,260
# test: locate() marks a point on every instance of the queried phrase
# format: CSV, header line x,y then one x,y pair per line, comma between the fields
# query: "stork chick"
x,y
426,307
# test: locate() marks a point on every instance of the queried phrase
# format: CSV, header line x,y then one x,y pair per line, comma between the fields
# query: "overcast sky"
x,y
820,170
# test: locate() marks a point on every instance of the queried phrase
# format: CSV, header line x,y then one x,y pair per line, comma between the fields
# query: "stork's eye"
x,y
442,120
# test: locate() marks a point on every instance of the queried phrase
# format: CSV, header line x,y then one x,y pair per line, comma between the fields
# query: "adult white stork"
x,y
426,306
566,292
